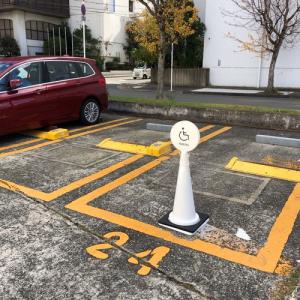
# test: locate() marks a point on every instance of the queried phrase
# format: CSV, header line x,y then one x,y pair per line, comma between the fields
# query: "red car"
x,y
42,91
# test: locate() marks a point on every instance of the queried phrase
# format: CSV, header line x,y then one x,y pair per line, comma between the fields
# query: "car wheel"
x,y
134,77
144,76
90,112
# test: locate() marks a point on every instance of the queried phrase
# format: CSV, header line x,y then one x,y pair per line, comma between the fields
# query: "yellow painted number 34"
x,y
119,239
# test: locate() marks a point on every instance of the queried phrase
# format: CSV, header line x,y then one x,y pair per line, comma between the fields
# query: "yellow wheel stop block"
x,y
238,165
52,135
157,149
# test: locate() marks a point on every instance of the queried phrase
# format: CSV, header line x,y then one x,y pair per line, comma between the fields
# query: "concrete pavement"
x,y
79,222
142,88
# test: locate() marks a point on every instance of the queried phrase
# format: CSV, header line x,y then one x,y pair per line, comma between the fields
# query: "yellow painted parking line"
x,y
238,165
70,187
34,147
207,127
267,258
52,135
98,125
157,149
281,230
84,128
205,138
15,145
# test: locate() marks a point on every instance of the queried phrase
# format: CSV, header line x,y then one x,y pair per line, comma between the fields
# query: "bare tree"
x,y
275,23
173,18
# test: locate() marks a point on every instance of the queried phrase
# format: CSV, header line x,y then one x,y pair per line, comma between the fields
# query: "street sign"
x,y
83,19
185,136
83,9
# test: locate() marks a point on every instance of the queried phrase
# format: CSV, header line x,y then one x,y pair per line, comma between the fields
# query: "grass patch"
x,y
286,287
174,103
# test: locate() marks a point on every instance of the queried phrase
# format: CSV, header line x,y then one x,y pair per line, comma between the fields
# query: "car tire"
x,y
134,78
90,112
145,76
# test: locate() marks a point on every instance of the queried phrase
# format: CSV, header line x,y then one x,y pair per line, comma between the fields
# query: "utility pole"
x,y
172,59
72,40
59,35
48,36
66,42
54,50
83,12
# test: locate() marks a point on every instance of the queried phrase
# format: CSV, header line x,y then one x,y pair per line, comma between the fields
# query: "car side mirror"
x,y
15,83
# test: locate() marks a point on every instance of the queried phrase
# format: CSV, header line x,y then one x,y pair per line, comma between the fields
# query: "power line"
x,y
100,13
62,5
104,3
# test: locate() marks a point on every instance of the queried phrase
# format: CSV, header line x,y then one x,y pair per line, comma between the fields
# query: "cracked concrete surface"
x,y
43,245
45,259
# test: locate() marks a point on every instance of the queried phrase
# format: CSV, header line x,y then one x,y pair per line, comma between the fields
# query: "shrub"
x,y
9,47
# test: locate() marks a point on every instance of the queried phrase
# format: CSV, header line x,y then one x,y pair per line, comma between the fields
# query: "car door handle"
x,y
78,83
39,91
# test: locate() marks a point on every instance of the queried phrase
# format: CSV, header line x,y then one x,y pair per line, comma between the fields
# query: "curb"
x,y
260,94
278,121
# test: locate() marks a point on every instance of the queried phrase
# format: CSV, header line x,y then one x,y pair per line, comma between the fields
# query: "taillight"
x,y
102,81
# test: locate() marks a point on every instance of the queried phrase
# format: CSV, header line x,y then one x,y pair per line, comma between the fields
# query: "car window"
x,y
29,74
4,83
73,71
4,66
85,69
61,70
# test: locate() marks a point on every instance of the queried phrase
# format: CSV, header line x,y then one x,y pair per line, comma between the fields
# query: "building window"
x,y
130,5
38,30
6,28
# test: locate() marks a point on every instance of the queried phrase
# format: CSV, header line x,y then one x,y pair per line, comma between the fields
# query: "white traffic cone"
x,y
185,137
184,213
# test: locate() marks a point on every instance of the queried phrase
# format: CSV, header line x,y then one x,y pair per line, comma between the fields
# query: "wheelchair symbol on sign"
x,y
184,136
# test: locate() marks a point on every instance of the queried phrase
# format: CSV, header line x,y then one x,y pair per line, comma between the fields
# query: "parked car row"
x,y
42,91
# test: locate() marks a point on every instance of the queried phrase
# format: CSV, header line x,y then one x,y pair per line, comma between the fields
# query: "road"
x,y
123,86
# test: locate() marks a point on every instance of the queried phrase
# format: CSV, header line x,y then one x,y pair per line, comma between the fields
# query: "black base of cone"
x,y
190,230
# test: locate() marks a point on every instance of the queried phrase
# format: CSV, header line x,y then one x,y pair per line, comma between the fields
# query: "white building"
x,y
107,20
231,67
31,22
28,21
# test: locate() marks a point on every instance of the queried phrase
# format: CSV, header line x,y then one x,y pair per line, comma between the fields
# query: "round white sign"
x,y
185,136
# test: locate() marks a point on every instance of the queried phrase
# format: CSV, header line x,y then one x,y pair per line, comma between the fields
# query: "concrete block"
x,y
157,149
52,135
158,127
278,140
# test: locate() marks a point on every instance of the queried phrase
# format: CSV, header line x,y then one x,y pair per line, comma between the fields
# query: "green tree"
x,y
9,47
135,52
188,52
163,23
93,45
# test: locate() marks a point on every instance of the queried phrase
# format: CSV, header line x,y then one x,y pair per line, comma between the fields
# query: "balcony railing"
x,y
59,8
